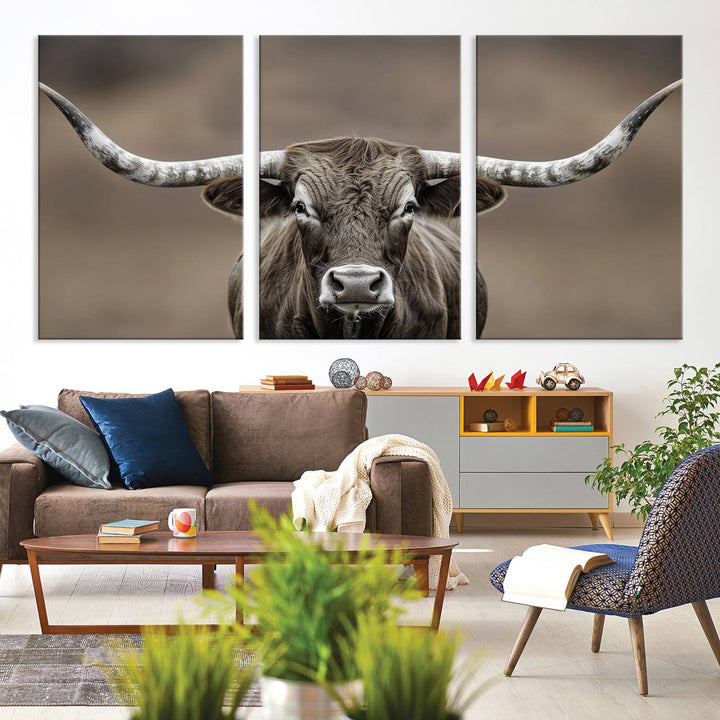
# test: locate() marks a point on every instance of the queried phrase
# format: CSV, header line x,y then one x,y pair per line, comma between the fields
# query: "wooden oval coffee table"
x,y
208,549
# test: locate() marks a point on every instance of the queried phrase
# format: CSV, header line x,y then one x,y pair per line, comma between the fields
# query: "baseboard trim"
x,y
524,521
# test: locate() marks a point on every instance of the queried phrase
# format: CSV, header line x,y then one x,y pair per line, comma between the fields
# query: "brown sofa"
x,y
254,444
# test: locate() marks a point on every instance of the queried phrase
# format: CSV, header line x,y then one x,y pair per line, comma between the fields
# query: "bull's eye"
x,y
409,209
300,208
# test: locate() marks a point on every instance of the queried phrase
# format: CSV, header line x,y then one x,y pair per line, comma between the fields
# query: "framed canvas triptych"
x,y
578,198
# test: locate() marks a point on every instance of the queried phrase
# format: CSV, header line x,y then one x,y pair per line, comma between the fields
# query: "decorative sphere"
x,y
360,382
490,415
509,425
576,414
562,414
387,383
341,379
374,380
344,370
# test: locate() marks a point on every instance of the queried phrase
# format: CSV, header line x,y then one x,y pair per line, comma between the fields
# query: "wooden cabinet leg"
x,y
422,576
598,624
605,522
531,618
637,637
208,577
703,615
594,521
460,520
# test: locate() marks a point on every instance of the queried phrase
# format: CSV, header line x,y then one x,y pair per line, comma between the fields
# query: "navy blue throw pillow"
x,y
148,439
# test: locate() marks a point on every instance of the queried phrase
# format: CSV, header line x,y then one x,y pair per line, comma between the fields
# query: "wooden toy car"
x,y
561,373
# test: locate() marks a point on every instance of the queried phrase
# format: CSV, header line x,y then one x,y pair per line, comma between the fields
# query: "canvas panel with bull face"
x,y
360,230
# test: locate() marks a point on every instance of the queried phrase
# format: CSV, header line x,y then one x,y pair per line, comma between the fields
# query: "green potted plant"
x,y
693,397
193,673
407,674
307,603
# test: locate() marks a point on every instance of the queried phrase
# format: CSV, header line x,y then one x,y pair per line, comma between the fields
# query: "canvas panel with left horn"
x,y
127,249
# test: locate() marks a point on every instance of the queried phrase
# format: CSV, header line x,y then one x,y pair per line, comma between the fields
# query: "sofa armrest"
x,y
23,476
402,496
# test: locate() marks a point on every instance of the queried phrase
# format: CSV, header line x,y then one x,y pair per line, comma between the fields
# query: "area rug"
x,y
64,670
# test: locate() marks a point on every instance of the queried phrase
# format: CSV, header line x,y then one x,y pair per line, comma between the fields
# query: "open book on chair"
x,y
545,575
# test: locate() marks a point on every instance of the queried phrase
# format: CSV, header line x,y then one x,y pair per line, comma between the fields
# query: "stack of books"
x,y
486,427
287,382
570,426
125,531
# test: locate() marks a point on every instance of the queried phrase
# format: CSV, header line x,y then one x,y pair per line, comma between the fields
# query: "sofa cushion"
x,y
65,509
74,450
194,407
148,439
279,435
226,506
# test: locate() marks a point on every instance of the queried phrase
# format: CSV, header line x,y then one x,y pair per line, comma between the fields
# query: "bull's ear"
x,y
441,198
489,195
275,199
225,195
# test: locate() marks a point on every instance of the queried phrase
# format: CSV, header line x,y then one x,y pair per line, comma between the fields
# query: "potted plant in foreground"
x,y
194,673
409,674
307,604
694,394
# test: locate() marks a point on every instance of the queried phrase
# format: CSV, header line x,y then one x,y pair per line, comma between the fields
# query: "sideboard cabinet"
x,y
528,470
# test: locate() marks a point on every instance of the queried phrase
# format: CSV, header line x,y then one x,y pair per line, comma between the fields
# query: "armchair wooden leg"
x,y
531,618
598,624
208,577
703,615
422,576
637,636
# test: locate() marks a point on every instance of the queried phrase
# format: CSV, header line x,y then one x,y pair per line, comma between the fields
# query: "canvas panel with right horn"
x,y
601,257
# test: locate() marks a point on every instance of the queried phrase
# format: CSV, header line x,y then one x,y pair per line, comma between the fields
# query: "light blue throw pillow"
x,y
63,442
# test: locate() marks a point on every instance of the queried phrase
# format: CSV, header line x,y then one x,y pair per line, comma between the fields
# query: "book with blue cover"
x,y
129,527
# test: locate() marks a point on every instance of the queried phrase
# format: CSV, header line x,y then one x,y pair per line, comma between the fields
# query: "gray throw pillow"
x,y
64,443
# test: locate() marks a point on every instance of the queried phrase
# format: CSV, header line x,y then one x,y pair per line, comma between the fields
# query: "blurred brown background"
x,y
405,89
118,259
601,258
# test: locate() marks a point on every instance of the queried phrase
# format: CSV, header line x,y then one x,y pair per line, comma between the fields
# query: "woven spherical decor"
x,y
342,372
490,415
374,380
576,414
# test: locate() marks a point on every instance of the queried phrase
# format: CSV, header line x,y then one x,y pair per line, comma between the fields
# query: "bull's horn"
x,y
184,173
270,163
578,167
441,164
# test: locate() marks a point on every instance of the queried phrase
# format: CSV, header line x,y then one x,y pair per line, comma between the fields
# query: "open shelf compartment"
x,y
520,408
595,408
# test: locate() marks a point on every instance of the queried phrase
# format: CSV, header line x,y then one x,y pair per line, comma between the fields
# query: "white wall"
x,y
32,371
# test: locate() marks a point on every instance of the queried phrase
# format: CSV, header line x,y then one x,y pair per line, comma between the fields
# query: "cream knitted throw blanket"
x,y
338,500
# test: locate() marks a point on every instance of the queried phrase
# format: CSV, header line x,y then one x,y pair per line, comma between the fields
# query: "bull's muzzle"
x,y
355,289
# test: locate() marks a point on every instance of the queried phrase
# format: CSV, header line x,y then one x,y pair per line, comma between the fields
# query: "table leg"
x,y
440,592
239,583
208,577
37,588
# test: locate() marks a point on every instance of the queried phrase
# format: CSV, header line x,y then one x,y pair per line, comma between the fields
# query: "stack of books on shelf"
x,y
486,427
125,531
287,382
570,426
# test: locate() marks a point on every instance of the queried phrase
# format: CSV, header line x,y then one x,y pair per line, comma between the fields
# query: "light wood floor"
x,y
557,677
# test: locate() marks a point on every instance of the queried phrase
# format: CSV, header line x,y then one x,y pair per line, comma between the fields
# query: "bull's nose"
x,y
364,286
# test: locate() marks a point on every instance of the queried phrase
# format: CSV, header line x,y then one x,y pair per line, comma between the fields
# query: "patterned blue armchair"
x,y
677,562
